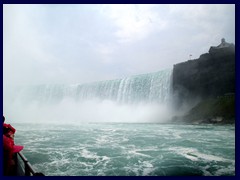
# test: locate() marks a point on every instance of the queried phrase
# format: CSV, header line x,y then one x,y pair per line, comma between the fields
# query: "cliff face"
x,y
219,110
209,76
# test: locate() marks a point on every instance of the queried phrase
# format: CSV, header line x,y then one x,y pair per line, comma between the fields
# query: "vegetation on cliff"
x,y
219,110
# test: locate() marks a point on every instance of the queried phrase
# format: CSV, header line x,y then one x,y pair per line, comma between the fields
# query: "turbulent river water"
x,y
128,149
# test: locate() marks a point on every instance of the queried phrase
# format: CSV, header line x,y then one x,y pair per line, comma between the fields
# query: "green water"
x,y
129,149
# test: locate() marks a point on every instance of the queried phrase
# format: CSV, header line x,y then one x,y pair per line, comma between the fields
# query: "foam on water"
x,y
194,155
128,149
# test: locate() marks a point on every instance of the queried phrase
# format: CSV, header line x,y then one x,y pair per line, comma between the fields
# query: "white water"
x,y
141,98
137,149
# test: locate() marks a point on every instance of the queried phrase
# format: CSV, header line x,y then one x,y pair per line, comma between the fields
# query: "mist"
x,y
69,111
143,98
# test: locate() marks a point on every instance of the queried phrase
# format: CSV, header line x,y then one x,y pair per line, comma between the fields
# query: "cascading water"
x,y
137,98
152,87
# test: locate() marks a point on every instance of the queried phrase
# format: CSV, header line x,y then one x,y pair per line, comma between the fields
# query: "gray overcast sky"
x,y
85,43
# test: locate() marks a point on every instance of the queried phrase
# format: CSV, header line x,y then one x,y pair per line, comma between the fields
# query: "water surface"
x,y
125,149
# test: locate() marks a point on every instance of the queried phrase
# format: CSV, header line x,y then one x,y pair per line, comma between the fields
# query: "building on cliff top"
x,y
223,44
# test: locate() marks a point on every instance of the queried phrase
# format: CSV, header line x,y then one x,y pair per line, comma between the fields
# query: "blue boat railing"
x,y
23,166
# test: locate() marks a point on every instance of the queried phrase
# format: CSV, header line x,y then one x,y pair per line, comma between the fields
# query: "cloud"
x,y
106,51
134,22
85,43
208,21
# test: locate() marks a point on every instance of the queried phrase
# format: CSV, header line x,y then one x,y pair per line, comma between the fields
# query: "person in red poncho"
x,y
9,148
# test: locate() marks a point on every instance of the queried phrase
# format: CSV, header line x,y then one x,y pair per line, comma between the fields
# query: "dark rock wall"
x,y
212,75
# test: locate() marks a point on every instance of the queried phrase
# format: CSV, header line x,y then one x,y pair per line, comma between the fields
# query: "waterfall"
x,y
152,87
139,98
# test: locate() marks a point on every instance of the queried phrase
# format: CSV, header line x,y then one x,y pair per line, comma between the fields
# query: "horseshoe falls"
x,y
152,87
140,98
115,128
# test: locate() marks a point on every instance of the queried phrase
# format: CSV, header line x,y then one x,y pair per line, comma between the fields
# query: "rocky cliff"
x,y
209,76
209,82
